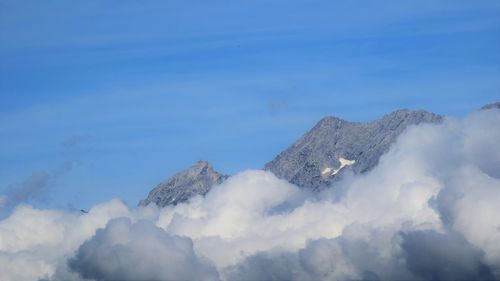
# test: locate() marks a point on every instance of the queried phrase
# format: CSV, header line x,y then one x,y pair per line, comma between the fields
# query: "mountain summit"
x,y
334,144
314,161
197,180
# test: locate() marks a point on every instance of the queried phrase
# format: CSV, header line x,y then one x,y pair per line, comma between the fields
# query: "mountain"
x,y
314,161
197,180
333,145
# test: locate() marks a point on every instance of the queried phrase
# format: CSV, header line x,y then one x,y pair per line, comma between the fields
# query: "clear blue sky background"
x,y
131,92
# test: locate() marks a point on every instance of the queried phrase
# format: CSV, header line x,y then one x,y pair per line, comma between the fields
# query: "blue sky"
x,y
130,92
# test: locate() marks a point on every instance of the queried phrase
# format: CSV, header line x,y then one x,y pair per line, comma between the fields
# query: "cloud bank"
x,y
429,210
139,251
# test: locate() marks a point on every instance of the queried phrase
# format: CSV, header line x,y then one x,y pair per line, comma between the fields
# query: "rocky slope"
x,y
197,180
314,161
317,158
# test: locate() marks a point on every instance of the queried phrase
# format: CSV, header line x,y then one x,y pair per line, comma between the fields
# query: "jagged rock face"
x,y
314,160
196,180
495,105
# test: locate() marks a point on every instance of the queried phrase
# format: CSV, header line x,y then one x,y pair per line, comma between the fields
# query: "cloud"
x,y
32,187
35,187
74,141
433,197
436,256
139,251
34,242
320,259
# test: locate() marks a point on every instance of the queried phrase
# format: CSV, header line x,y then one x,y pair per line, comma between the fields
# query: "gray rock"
x,y
196,180
495,105
313,160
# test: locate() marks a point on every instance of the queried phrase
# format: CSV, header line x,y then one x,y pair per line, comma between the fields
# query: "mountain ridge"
x,y
314,161
332,139
196,180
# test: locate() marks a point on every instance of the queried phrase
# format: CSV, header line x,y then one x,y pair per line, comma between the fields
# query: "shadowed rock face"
x,y
196,180
309,161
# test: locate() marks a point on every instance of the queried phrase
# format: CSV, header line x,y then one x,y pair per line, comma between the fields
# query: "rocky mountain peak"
x,y
334,145
196,180
330,121
201,167
314,161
